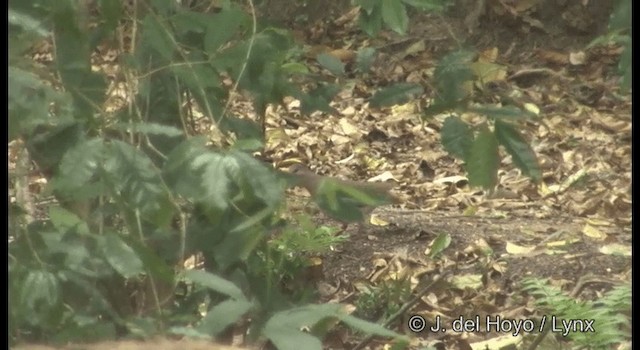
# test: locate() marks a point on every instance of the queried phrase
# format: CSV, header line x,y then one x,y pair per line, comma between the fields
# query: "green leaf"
x,y
451,74
136,180
248,132
428,5
30,102
505,112
456,136
395,95
39,289
149,128
222,27
624,67
439,107
155,265
368,5
523,155
365,58
621,16
215,283
80,164
111,12
371,22
283,328
120,255
64,220
439,245
48,145
331,63
222,316
181,173
368,327
158,37
318,99
189,22
482,160
27,23
394,14
73,60
295,68
344,202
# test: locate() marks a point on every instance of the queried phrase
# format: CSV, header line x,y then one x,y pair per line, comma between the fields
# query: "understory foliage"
x,y
608,316
137,195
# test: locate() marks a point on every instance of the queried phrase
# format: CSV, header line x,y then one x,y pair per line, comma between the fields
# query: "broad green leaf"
x,y
40,288
222,316
30,101
505,112
153,263
49,145
344,202
246,130
439,245
365,59
295,68
371,22
199,78
394,14
440,107
621,16
318,99
482,160
283,329
215,283
157,36
149,128
80,164
189,22
73,61
452,73
368,327
64,220
624,67
395,95
368,5
428,5
27,23
133,178
456,137
523,155
237,246
331,63
216,180
111,12
222,27
120,255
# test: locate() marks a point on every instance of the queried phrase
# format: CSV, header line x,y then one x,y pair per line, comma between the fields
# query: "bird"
x,y
345,200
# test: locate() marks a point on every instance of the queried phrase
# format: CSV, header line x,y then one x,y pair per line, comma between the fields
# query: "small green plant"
x,y
589,324
381,301
620,33
392,13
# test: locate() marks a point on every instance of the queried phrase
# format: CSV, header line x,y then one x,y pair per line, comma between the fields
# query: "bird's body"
x,y
345,200
311,181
